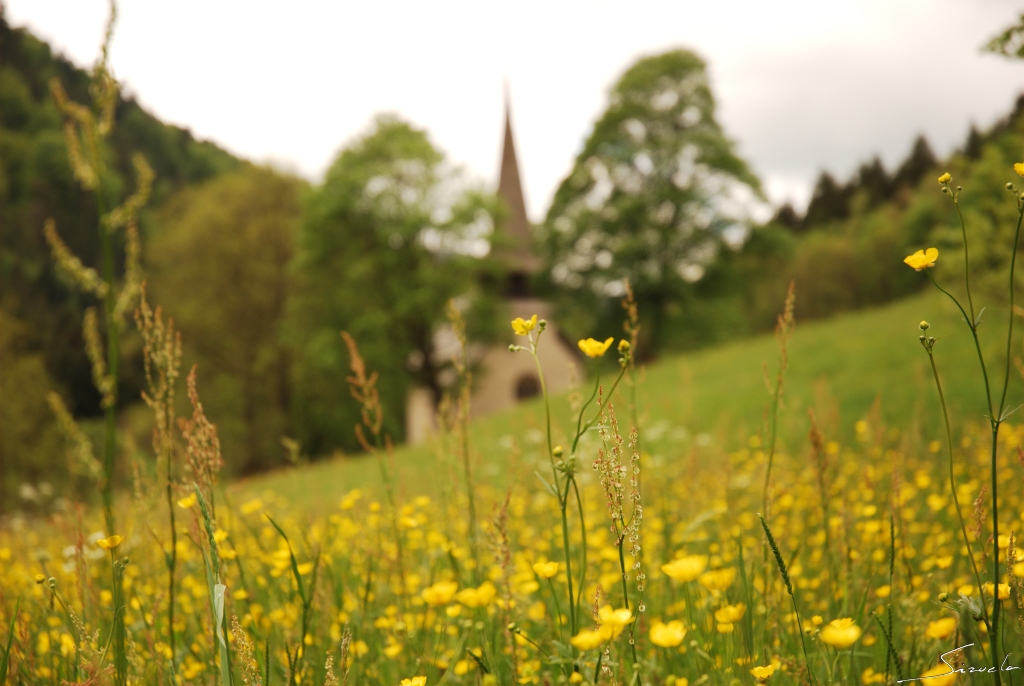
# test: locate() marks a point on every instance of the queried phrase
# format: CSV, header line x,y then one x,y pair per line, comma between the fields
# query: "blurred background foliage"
x,y
261,271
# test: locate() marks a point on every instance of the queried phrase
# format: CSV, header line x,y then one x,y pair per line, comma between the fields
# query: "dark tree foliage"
x,y
918,164
830,202
874,182
36,183
788,217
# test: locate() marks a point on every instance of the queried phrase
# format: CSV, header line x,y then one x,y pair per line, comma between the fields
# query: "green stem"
x,y
952,486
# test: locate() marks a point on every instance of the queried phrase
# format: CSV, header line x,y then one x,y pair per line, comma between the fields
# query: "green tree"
x,y
220,263
656,193
391,235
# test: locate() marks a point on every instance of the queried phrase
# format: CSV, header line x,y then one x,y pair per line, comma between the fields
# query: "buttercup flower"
x,y
522,326
940,675
841,633
922,259
110,543
717,579
593,348
588,639
668,635
614,621
945,178
730,614
440,593
477,597
545,570
1004,590
1019,168
415,681
941,628
763,673
188,501
685,568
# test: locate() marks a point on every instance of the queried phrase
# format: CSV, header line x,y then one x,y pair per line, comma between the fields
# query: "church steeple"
x,y
518,253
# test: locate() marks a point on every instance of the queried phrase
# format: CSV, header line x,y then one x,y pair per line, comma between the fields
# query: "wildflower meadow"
x,y
605,555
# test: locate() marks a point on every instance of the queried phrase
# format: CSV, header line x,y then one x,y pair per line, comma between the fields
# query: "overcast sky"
x,y
801,86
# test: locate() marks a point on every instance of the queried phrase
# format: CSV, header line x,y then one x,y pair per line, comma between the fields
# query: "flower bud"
x,y
943,597
558,451
1009,186
40,578
924,325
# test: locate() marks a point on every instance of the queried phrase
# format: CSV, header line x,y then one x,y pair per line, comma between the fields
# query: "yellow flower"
x,y
940,675
592,348
576,678
763,673
477,597
522,327
415,681
545,570
730,614
685,568
440,593
717,579
588,639
110,543
945,178
940,628
922,259
1004,590
870,676
1019,168
841,633
40,578
614,621
668,635
187,502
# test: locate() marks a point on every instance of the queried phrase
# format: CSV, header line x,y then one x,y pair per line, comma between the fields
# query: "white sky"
x,y
801,86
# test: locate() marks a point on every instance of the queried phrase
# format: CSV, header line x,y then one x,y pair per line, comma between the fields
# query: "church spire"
x,y
518,254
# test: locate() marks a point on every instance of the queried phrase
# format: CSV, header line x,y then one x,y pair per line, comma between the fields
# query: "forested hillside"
x,y
40,314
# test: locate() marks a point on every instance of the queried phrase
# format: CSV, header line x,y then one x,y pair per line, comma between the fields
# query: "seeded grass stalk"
x,y
461,363
85,130
161,346
783,330
792,595
996,416
364,390
211,563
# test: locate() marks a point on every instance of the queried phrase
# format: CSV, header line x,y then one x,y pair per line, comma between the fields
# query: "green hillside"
x,y
839,368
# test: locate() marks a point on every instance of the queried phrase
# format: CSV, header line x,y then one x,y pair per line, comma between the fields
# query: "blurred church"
x,y
503,378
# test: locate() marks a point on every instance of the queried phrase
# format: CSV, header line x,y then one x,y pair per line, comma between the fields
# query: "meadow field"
x,y
375,570
833,503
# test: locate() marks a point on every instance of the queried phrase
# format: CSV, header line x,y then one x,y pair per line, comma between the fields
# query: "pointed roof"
x,y
519,253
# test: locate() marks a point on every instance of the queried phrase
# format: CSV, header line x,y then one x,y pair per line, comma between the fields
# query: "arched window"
x,y
527,386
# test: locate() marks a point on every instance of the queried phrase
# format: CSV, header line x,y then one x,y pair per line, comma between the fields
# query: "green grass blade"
x,y
10,643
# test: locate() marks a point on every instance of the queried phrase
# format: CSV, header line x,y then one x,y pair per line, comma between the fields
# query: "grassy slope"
x,y
838,367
